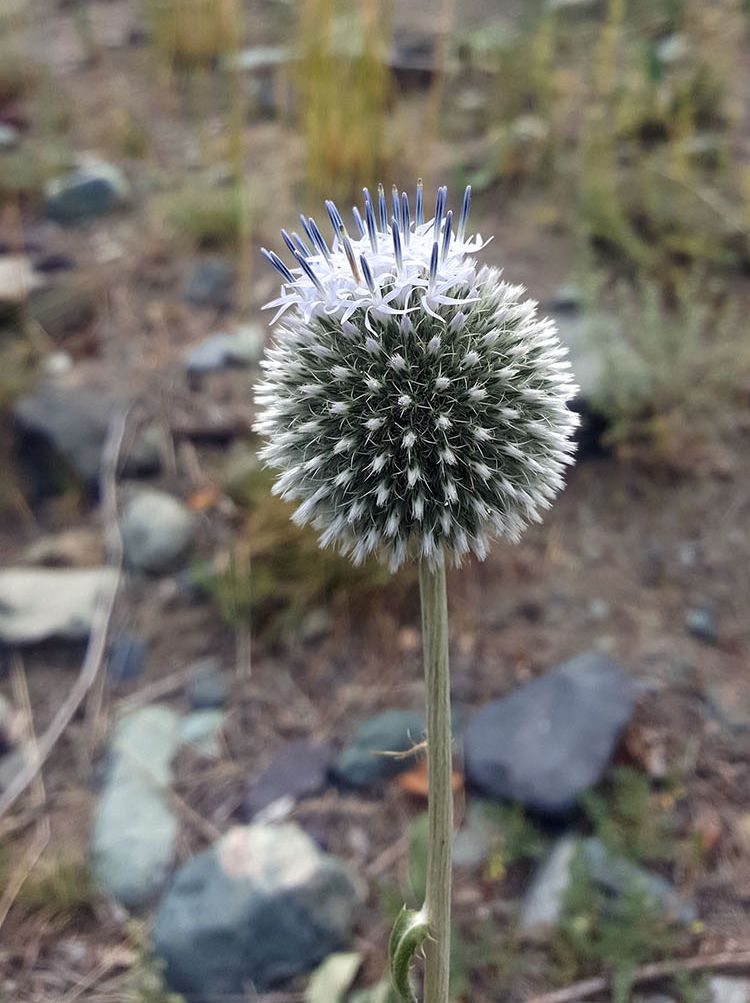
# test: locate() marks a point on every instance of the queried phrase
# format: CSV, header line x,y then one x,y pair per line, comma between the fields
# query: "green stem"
x,y
439,766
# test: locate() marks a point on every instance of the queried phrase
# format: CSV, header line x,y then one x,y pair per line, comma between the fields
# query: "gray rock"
x,y
298,770
10,731
208,686
134,830
673,49
241,348
362,761
701,623
211,285
261,905
543,903
56,425
95,188
8,137
38,603
17,279
476,837
567,299
619,876
729,989
157,531
126,658
552,738
201,730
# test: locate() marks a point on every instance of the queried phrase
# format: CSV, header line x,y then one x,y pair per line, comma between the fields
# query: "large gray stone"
x,y
543,903
157,531
552,738
134,831
38,603
58,426
95,188
365,761
240,348
261,905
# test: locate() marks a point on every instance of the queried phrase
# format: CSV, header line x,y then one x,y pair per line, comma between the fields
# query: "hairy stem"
x,y
439,766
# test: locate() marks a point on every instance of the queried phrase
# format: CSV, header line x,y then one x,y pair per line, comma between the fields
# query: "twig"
x,y
727,961
100,622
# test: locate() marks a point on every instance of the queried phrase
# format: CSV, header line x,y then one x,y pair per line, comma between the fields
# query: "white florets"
x,y
412,400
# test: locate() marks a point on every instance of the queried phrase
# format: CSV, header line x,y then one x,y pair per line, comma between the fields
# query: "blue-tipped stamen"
x,y
366,271
397,244
464,213
419,213
301,246
405,217
277,263
288,241
396,202
442,194
334,216
305,266
349,252
447,235
372,230
434,263
382,211
318,239
358,222
306,227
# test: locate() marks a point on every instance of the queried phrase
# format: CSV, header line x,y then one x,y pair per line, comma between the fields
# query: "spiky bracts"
x,y
412,400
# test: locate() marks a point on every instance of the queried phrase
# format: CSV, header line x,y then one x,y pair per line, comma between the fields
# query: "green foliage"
x,y
277,571
519,838
60,891
193,34
672,367
417,869
597,933
145,982
342,94
627,819
211,218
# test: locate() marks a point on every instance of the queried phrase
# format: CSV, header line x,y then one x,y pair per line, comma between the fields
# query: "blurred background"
x,y
179,663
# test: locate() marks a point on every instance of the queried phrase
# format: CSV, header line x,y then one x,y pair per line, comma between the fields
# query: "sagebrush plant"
x,y
416,406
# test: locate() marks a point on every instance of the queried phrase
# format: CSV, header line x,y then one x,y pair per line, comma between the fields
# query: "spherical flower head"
x,y
413,401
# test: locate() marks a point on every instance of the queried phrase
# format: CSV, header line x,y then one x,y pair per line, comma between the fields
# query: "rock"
x,y
201,730
73,548
11,765
261,905
618,876
126,658
552,738
37,603
57,364
157,531
673,49
240,471
297,771
574,329
66,308
10,726
362,761
567,299
242,348
9,137
134,828
61,431
17,279
729,989
584,7
701,623
208,686
95,188
543,903
476,837
730,701
211,285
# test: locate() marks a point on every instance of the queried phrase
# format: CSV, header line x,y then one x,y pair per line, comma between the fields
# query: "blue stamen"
x,y
372,229
382,212
318,240
358,221
396,202
306,227
446,235
304,265
334,215
433,263
367,274
464,212
277,263
301,245
420,199
397,244
405,217
440,208
288,241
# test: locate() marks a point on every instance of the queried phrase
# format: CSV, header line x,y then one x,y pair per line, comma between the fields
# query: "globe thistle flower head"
x,y
413,402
